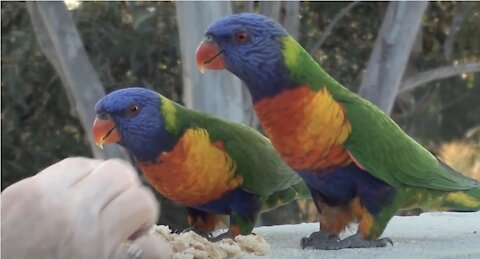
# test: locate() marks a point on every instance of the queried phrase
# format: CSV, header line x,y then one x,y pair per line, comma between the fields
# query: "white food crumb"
x,y
190,245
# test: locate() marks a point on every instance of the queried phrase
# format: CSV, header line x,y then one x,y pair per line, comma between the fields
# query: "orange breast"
x,y
307,128
194,172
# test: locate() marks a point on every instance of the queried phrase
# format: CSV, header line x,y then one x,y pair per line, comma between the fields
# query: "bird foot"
x,y
319,239
355,241
226,235
220,237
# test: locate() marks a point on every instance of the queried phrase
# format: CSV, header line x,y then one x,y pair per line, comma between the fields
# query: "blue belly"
x,y
338,186
238,201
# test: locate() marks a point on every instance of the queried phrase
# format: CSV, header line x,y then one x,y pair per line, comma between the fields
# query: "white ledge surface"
x,y
430,235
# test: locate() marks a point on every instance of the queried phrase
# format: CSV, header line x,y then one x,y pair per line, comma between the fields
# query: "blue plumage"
x,y
237,202
339,186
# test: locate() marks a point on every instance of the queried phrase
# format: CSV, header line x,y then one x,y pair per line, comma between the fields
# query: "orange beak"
x,y
105,132
209,56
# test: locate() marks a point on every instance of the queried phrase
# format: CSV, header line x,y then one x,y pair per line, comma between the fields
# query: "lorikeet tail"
x,y
464,201
294,192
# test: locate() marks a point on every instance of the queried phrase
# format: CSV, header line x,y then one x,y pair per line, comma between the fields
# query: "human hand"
x,y
77,208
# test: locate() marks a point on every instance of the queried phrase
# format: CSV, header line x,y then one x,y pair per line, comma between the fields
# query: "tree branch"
x,y
453,102
289,13
270,9
332,24
436,74
61,44
390,54
212,97
465,7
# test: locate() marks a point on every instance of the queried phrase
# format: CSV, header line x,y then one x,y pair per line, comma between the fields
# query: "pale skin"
x,y
79,208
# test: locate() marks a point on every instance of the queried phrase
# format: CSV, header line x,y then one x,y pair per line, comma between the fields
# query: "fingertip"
x,y
135,211
152,212
152,203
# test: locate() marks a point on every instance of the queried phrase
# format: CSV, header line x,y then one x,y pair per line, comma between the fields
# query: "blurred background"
x,y
419,62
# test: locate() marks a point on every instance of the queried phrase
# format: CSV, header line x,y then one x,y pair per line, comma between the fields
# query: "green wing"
x,y
294,192
387,153
262,169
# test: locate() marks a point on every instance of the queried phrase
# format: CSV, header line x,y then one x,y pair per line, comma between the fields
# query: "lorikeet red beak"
x,y
209,56
105,132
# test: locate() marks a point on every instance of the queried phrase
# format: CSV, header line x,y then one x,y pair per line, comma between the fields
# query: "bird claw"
x,y
220,237
355,241
316,239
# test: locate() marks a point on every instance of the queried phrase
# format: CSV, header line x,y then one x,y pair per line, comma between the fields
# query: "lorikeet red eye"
x,y
133,110
242,37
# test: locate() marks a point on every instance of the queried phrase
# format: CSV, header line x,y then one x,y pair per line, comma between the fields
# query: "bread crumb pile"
x,y
190,245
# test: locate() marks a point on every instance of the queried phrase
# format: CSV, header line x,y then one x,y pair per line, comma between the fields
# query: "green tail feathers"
x,y
464,201
435,200
294,192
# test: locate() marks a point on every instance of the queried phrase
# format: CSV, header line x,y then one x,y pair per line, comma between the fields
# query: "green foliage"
x,y
345,52
444,110
132,43
37,128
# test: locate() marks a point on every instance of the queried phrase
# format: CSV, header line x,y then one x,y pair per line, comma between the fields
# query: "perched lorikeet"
x,y
212,166
358,163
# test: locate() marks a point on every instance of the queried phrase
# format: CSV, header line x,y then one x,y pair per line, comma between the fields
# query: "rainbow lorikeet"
x,y
212,166
358,163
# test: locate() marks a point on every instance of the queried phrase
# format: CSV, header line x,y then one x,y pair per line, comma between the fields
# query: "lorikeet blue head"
x,y
250,46
133,118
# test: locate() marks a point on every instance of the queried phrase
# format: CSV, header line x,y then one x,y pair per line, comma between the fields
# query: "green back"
x,y
379,144
376,141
